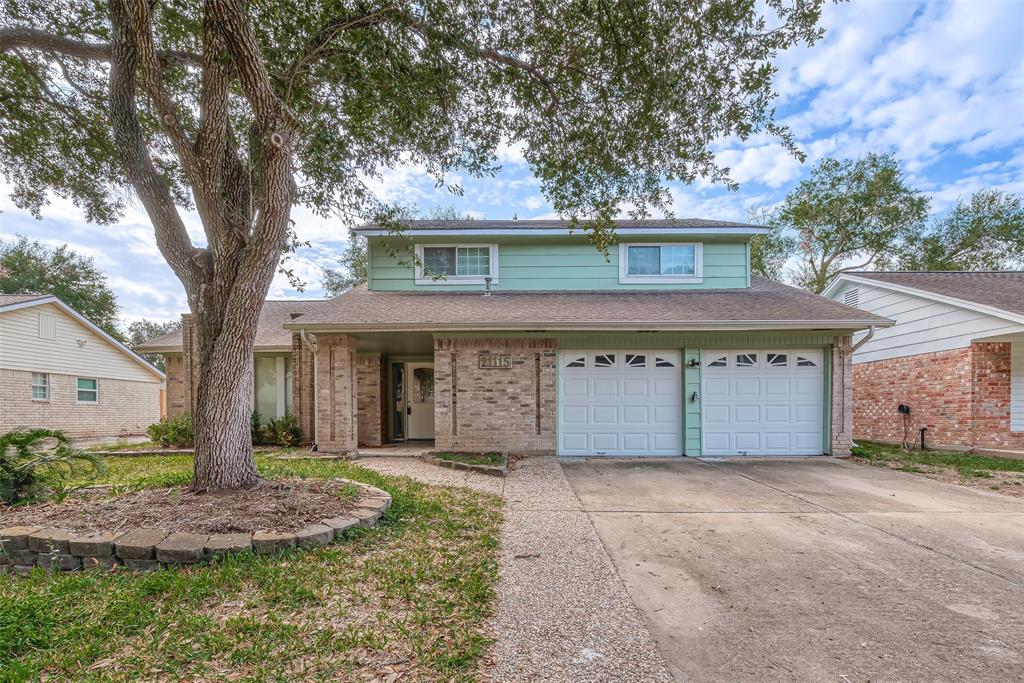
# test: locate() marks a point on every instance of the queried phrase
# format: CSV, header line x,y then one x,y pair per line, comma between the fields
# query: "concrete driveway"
x,y
813,569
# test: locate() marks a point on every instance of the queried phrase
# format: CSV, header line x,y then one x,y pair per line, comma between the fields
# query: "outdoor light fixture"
x,y
692,363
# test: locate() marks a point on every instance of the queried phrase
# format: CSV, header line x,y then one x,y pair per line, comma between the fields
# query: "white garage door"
x,y
762,402
623,402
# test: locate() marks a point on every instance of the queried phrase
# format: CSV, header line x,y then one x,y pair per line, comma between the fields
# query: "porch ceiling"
x,y
396,343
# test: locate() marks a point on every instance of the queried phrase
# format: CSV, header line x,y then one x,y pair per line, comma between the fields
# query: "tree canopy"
x,y
241,110
31,267
140,331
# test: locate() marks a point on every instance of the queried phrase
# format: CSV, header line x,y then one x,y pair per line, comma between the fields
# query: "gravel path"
x,y
563,613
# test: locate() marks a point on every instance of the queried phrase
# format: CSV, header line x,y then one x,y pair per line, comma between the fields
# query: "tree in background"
x,y
850,214
242,110
769,252
31,267
142,331
353,264
986,232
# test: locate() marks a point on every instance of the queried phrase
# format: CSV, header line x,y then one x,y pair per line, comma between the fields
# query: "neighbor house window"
x,y
457,264
40,386
660,263
88,390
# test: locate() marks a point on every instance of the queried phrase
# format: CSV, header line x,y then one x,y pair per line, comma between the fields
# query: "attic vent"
x,y
851,297
47,326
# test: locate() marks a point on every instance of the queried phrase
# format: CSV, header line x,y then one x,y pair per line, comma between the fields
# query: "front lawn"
x,y
979,471
410,596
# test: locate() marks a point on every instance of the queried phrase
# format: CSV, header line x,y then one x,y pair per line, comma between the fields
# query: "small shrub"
x,y
284,431
176,432
42,463
255,426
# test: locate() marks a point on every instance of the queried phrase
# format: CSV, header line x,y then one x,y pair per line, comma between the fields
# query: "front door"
x,y
419,378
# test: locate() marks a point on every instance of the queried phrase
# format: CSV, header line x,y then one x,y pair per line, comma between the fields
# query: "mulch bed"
x,y
290,507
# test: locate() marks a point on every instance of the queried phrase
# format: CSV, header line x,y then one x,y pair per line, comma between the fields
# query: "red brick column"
x,y
842,396
336,419
369,389
990,372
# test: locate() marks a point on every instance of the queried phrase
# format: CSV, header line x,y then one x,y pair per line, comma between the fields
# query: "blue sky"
x,y
939,84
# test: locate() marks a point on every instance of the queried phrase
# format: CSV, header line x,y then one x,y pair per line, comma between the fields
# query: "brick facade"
x,y
511,409
842,396
961,395
303,387
124,407
182,370
369,401
336,403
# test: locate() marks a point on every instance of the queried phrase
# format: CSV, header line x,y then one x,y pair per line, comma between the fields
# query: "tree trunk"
x,y
221,415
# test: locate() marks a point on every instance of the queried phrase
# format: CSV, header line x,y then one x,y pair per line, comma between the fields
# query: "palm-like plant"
x,y
37,463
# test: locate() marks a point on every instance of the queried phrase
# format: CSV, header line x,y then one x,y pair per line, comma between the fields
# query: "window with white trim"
x,y
88,390
661,263
456,263
40,386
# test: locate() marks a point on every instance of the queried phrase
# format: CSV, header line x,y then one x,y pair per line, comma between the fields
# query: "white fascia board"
x,y
89,324
925,294
532,232
618,325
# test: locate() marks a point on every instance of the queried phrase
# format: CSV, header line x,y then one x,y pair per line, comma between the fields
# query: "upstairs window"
x,y
40,386
456,264
660,263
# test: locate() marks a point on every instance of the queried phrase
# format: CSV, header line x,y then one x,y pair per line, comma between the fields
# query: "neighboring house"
x,y
532,341
955,357
60,371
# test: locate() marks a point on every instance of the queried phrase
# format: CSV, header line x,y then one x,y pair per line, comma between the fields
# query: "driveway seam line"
x,y
869,526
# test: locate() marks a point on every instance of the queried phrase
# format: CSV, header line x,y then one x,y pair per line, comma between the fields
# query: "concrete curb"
x,y
492,470
139,549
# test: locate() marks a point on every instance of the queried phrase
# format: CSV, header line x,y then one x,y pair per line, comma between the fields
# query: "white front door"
x,y
619,403
419,378
763,402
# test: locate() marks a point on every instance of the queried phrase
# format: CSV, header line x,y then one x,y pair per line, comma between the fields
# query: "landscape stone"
x,y
265,542
104,563
142,565
50,539
181,548
375,503
59,561
22,568
367,516
219,545
341,524
24,557
139,544
99,544
16,537
314,536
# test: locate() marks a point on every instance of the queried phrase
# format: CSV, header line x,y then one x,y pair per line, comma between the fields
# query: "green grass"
x,y
415,590
967,464
491,458
122,446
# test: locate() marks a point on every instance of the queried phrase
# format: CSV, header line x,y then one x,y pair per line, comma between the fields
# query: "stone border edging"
x,y
493,470
141,549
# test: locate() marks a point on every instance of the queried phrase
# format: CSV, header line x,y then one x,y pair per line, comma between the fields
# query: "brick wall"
x,y
336,419
124,407
369,390
303,387
842,396
961,395
478,409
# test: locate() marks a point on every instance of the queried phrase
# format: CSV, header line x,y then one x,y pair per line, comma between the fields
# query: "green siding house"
x,y
521,336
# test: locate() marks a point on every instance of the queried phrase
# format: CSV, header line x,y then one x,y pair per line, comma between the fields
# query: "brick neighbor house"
x,y
521,336
60,371
955,357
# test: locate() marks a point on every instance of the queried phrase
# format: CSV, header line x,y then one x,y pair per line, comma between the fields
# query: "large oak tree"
x,y
241,110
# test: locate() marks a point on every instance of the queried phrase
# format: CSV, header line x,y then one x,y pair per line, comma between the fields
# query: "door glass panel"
x,y
576,362
719,362
398,398
423,385
663,363
778,360
802,362
604,360
636,360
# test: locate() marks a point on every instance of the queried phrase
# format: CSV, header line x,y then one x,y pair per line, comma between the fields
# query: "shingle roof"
x,y
1004,290
543,224
269,333
9,299
766,303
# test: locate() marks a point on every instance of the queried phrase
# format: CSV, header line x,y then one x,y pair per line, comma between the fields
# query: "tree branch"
x,y
41,41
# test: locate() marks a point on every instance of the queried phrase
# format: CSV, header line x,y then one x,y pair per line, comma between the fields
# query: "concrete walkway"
x,y
563,612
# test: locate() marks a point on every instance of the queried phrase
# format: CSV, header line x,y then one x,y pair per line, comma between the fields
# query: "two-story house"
x,y
521,336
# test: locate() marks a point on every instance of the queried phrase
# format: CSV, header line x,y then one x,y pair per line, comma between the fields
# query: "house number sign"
x,y
495,361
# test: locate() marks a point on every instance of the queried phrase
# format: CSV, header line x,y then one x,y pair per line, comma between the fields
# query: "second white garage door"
x,y
622,402
763,402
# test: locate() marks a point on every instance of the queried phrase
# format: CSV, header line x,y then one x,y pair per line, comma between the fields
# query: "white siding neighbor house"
x,y
60,371
954,358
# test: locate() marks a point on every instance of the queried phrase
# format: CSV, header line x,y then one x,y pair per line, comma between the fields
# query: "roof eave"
x,y
597,325
557,232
